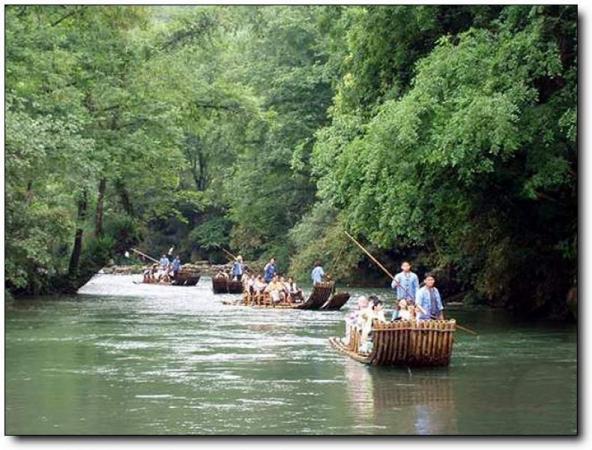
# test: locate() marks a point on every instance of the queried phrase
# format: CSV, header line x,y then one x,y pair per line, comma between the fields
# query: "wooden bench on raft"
x,y
422,343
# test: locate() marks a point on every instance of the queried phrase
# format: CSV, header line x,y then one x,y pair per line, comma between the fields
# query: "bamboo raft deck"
x,y
424,343
222,285
319,299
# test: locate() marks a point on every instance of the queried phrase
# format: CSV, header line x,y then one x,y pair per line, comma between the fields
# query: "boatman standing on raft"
x,y
176,266
164,262
317,273
405,283
238,268
428,298
269,270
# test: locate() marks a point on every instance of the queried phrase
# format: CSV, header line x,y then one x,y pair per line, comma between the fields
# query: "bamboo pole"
x,y
145,255
376,261
368,253
466,330
228,253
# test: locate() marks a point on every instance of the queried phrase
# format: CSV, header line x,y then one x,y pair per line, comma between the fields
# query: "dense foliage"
x,y
441,134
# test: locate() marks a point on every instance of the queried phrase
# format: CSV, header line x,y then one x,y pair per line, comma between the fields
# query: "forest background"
x,y
444,135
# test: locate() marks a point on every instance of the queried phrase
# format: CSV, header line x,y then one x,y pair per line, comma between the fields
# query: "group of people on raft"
x,y
280,288
413,303
163,272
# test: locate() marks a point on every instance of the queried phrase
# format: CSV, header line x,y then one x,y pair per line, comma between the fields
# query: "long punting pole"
x,y
228,253
392,276
145,255
376,261
371,257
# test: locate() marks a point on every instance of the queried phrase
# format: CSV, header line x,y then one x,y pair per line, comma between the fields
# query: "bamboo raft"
x,y
336,302
319,299
221,285
184,278
425,343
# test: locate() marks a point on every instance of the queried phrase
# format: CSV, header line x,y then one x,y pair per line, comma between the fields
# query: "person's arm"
x,y
440,305
420,307
396,314
419,301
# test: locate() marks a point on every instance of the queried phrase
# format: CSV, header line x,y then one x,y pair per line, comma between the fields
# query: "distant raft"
x,y
187,276
320,298
424,343
223,285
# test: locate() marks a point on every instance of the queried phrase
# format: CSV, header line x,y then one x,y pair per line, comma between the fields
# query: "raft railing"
x,y
403,342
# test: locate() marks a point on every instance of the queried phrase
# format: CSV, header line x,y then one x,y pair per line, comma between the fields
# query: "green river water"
x,y
125,358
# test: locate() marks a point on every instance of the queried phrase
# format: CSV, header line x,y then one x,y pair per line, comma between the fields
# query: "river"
x,y
125,358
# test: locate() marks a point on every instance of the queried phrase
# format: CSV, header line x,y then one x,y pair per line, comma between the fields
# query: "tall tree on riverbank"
x,y
445,134
476,164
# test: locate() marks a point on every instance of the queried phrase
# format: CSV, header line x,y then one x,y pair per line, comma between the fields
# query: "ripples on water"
x,y
125,358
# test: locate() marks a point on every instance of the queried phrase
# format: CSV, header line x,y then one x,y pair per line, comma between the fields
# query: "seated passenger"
x,y
404,311
222,274
371,314
160,274
294,294
351,320
259,285
147,275
251,284
245,282
284,283
276,290
154,273
165,275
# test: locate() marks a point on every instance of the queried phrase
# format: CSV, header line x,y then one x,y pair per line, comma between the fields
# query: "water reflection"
x,y
408,402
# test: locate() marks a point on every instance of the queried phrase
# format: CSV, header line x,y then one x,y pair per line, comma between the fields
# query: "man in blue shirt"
x,y
238,268
269,270
405,283
176,266
429,301
164,262
317,273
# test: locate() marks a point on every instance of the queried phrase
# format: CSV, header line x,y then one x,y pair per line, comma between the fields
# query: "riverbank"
x,y
203,267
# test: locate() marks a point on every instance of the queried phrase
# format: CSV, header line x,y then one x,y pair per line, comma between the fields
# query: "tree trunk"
x,y
29,194
202,172
100,208
124,198
77,250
